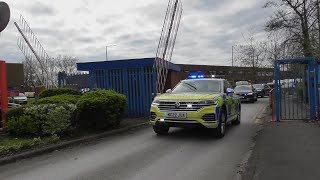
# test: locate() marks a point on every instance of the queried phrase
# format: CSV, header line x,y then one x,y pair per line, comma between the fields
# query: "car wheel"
x,y
256,99
238,119
252,100
161,129
263,94
221,129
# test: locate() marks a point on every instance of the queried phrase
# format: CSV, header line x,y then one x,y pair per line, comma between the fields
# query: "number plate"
x,y
176,115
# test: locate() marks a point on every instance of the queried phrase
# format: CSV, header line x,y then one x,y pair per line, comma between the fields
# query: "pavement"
x,y
285,150
186,154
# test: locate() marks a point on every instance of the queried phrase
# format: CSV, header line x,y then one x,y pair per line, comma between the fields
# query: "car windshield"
x,y
258,86
243,88
21,95
207,86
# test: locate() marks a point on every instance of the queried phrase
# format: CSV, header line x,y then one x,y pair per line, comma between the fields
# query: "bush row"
x,y
59,91
40,120
60,113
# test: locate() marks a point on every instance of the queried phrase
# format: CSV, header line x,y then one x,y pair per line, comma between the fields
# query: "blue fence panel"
x,y
296,89
137,84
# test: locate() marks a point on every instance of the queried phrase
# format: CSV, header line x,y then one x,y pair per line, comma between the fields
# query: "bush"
x,y
48,119
60,99
101,109
15,112
58,91
22,125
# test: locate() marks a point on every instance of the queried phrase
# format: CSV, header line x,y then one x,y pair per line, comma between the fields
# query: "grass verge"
x,y
11,145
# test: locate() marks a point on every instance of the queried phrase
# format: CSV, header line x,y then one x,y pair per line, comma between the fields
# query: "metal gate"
x,y
296,89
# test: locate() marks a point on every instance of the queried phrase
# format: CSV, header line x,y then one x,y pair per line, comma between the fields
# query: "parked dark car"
x,y
246,93
262,89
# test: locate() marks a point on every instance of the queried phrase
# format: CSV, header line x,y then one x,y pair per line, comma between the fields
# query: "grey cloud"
x,y
38,8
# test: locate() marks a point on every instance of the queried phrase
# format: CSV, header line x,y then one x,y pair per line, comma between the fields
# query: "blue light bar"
x,y
196,76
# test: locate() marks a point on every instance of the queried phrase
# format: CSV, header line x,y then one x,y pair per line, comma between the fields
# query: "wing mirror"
x,y
230,91
168,91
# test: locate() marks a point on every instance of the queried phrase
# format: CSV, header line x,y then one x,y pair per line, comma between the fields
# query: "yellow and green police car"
x,y
206,102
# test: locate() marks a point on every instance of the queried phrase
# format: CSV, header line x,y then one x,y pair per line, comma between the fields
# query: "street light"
x,y
107,50
232,54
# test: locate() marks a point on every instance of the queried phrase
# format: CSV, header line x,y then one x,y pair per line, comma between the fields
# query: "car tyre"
x,y
256,99
263,94
221,129
161,129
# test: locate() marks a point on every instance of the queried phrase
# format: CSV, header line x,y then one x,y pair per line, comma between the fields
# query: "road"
x,y
142,155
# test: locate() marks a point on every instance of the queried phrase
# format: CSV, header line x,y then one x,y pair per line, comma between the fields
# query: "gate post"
x,y
3,91
277,92
312,88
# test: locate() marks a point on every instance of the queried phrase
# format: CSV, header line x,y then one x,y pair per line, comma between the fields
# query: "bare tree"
x,y
298,19
68,64
252,53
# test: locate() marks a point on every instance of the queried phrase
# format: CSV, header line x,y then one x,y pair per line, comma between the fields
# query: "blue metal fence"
x,y
134,78
296,89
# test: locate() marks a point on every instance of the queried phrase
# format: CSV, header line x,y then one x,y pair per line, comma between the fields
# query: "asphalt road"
x,y
142,155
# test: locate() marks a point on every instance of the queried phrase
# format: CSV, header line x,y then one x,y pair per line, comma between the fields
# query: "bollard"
x,y
271,103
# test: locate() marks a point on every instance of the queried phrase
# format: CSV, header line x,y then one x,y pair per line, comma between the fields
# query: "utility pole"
x,y
232,56
107,50
253,70
318,13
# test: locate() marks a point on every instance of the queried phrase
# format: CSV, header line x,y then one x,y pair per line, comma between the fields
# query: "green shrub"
x,y
15,112
22,125
60,99
44,119
299,90
101,109
58,91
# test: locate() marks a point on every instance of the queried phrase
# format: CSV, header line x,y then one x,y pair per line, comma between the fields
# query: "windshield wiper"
x,y
190,85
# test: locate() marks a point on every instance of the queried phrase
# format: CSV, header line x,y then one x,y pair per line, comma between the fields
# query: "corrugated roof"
x,y
119,64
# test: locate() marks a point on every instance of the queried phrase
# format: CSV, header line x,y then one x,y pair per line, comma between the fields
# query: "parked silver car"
x,y
21,98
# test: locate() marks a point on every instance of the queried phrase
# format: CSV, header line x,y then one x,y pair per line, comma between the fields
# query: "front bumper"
x,y
205,117
246,97
260,93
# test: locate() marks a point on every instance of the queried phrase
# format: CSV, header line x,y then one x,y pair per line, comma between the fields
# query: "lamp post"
x,y
107,50
232,54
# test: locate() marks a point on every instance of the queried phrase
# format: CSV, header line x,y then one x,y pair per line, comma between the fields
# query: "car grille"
x,y
153,116
209,117
241,94
181,106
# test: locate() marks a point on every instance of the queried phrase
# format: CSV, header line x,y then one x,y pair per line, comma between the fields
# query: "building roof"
x,y
119,64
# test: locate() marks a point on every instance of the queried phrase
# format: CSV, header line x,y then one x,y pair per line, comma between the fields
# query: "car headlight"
x,y
250,93
209,102
155,103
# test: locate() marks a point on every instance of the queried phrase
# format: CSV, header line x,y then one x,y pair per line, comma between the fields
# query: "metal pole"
x,y
232,55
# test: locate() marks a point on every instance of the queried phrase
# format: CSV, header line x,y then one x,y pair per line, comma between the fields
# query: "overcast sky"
x,y
82,28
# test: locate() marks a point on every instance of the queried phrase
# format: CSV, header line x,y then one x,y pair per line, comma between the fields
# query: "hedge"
x,y
58,91
40,120
60,99
101,109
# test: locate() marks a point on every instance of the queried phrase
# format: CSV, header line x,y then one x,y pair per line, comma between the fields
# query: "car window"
x,y
258,86
205,86
243,88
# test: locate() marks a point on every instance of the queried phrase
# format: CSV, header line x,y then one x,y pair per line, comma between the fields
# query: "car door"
x,y
267,89
230,100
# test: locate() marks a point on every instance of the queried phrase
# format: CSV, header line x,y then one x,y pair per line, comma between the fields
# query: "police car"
x,y
204,102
